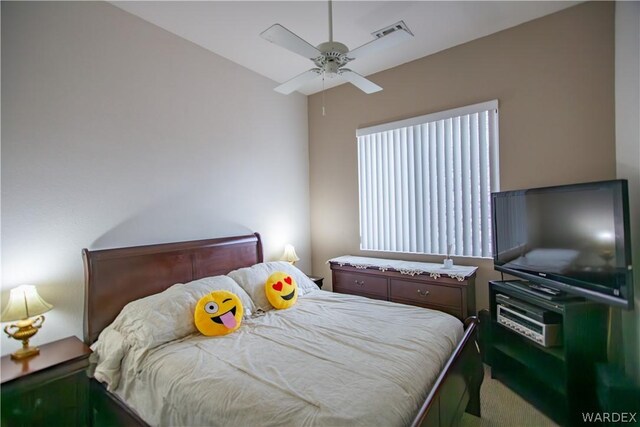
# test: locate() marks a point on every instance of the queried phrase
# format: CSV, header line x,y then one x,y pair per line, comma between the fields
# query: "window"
x,y
425,183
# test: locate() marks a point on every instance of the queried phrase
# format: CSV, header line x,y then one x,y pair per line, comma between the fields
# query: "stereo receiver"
x,y
537,324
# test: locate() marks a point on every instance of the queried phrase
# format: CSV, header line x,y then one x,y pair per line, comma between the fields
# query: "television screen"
x,y
574,238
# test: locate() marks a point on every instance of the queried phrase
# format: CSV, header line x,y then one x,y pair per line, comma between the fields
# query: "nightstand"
x,y
317,280
51,388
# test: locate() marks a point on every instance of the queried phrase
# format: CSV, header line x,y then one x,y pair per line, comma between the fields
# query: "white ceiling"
x,y
231,28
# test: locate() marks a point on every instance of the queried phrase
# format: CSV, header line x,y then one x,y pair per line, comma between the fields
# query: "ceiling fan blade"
x,y
282,37
367,86
290,85
381,43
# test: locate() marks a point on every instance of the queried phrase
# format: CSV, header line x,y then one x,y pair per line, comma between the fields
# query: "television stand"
x,y
559,380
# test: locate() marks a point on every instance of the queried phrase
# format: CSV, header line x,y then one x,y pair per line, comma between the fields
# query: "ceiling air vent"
x,y
391,28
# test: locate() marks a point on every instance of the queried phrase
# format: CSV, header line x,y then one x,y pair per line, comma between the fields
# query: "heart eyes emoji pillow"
x,y
281,290
218,313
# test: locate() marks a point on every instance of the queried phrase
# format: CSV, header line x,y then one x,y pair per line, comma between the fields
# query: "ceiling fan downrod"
x,y
330,21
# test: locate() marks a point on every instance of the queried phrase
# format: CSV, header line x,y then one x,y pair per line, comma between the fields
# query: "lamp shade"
x,y
24,302
289,254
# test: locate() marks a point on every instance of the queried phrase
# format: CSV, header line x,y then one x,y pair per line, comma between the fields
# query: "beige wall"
x,y
116,132
554,80
628,157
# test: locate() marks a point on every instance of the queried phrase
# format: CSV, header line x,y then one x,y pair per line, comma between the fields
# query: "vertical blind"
x,y
425,183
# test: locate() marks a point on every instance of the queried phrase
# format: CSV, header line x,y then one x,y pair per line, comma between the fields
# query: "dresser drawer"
x,y
354,283
379,279
425,293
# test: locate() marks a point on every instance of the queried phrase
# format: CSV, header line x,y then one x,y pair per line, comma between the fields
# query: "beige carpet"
x,y
502,407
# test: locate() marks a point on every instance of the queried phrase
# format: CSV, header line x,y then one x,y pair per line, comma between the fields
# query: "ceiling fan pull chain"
x,y
323,114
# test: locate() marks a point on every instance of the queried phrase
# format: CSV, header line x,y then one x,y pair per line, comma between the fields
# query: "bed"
x,y
419,376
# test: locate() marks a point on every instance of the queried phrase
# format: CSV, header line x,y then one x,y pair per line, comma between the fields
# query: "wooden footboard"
x,y
457,389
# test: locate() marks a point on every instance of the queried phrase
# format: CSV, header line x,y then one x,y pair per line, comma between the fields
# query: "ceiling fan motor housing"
x,y
333,56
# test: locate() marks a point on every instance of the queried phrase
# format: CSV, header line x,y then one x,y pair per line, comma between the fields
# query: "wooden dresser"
x,y
422,284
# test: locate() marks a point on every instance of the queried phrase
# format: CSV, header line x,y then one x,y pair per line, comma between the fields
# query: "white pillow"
x,y
252,280
167,316
201,287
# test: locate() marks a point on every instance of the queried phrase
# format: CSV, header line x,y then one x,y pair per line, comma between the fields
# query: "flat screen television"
x,y
572,238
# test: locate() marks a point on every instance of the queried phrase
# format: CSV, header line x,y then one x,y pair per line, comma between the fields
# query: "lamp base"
x,y
23,330
24,353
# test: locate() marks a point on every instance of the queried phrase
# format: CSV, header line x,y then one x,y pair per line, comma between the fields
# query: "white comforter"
x,y
330,360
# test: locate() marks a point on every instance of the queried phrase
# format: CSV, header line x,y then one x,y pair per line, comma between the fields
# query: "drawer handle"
x,y
359,283
423,293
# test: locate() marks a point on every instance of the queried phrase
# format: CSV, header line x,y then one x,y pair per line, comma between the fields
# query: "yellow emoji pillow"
x,y
281,290
218,313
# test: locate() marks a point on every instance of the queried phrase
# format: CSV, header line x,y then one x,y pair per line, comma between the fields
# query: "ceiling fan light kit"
x,y
333,56
330,57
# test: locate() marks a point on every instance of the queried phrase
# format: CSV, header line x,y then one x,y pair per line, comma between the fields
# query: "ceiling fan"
x,y
331,57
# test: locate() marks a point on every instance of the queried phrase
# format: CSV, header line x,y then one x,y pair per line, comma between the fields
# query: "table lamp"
x,y
289,254
27,307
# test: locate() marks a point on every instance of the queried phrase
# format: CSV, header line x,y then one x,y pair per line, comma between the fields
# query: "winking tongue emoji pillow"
x,y
281,290
218,313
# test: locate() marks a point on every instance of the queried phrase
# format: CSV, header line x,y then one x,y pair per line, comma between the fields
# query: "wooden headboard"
x,y
114,277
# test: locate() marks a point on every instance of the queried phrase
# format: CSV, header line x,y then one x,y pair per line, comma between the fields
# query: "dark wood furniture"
x,y
442,293
116,276
317,280
560,381
49,388
109,411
